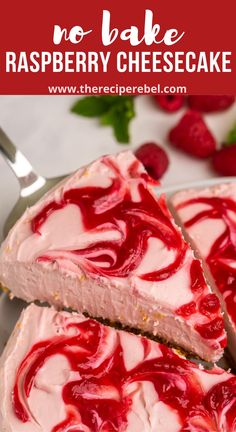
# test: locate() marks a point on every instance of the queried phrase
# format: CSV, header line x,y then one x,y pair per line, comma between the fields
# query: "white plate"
x,y
11,309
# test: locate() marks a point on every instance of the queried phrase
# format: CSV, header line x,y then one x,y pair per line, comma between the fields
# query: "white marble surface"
x,y
57,142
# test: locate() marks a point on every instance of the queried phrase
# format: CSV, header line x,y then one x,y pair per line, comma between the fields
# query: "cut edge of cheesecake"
x,y
158,325
229,325
173,331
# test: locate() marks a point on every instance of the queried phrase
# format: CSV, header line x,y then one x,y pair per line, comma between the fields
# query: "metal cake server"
x,y
32,185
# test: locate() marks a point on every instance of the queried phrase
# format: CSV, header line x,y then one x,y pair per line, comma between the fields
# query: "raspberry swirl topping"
x,y
120,220
101,397
221,258
134,221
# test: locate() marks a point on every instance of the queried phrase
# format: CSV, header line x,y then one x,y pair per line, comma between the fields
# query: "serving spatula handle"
x,y
19,164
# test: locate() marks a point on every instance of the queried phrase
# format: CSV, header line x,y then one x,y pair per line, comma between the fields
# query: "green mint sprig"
x,y
115,111
231,137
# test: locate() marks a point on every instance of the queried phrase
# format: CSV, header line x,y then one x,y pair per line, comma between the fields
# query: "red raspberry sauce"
x,y
173,379
143,219
149,217
223,251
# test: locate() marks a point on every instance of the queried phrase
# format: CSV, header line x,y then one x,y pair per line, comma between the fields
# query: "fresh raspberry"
x,y
224,161
192,136
170,103
154,159
210,103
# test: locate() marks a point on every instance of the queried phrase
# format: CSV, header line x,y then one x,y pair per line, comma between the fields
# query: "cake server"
x,y
32,185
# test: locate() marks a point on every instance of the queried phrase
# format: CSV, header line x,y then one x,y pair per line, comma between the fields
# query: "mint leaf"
x,y
116,111
108,118
119,116
112,100
231,137
121,128
91,106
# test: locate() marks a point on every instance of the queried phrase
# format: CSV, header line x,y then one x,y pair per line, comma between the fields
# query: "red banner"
x,y
118,47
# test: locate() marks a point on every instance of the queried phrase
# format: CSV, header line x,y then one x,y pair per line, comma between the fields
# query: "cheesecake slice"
x,y
209,218
103,243
64,372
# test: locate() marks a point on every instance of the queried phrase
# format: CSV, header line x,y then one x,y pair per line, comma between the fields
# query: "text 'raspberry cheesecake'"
x,y
62,372
209,218
102,242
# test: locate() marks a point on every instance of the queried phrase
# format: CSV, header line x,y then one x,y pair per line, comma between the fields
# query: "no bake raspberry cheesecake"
x,y
209,218
102,242
62,372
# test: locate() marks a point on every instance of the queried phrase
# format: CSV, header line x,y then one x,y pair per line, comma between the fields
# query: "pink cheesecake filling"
x,y
209,218
106,230
221,258
109,380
